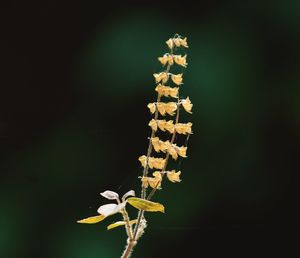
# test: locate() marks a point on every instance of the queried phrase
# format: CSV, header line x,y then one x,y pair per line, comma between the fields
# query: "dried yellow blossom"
x,y
166,58
170,43
154,182
161,108
160,145
173,176
172,151
170,108
187,105
166,108
152,107
153,125
184,128
177,42
177,78
181,151
161,77
183,42
157,163
180,60
166,125
143,160
167,91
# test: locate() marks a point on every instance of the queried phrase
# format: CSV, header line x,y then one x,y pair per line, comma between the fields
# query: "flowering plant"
x,y
168,85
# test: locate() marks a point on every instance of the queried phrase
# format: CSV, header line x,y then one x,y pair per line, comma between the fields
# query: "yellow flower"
x,y
170,43
143,160
152,107
160,145
173,176
153,125
152,162
184,128
187,105
170,108
157,163
161,77
161,108
177,42
180,60
167,91
166,125
166,58
183,42
181,151
172,151
177,78
173,92
154,182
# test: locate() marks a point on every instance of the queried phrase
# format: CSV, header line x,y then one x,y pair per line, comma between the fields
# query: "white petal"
x,y
110,195
107,209
110,209
129,193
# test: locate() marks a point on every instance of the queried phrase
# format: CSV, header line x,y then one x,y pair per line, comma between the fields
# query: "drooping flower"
x,y
167,91
166,59
166,125
187,105
180,60
154,182
170,108
161,77
181,151
182,128
170,43
151,107
153,124
157,163
183,42
159,145
173,176
177,78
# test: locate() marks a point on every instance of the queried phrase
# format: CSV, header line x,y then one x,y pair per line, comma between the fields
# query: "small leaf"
x,y
145,205
110,195
92,220
120,223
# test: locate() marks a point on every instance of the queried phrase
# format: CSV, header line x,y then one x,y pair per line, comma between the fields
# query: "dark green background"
x,y
73,120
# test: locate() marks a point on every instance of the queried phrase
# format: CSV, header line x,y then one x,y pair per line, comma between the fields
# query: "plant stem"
x,y
127,224
129,248
133,242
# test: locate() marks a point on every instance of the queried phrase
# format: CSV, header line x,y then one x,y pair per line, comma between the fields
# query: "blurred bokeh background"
x,y
75,82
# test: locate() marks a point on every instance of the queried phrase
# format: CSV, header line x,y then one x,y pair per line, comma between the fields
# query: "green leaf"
x,y
145,205
120,223
92,220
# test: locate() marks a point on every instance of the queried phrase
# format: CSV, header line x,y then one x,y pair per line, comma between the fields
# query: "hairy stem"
x,y
127,224
129,248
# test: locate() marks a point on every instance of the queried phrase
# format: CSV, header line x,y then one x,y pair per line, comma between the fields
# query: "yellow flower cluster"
x,y
170,59
167,91
157,163
164,125
162,108
167,146
163,77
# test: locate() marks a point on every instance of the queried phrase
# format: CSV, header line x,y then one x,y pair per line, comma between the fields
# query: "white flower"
x,y
112,208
